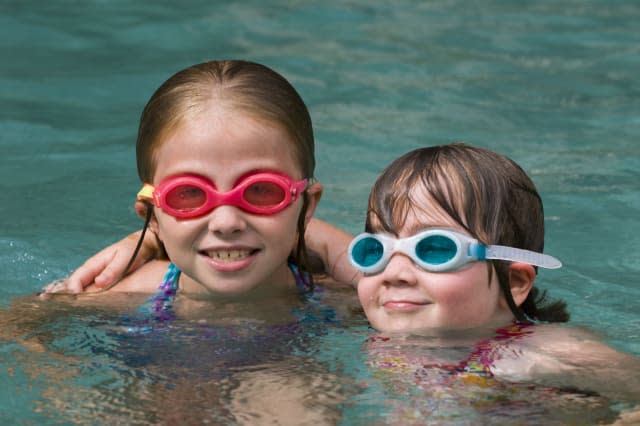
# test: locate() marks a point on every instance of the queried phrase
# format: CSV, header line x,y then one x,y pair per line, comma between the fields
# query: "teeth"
x,y
228,255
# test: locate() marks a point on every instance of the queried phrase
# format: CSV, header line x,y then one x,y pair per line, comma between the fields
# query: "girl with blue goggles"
x,y
456,196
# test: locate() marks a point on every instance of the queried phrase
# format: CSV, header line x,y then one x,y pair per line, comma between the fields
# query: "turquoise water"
x,y
551,84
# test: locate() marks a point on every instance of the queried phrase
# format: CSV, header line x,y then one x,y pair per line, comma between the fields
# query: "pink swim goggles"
x,y
188,196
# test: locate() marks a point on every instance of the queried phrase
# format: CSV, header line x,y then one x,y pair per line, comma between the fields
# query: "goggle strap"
x,y
477,251
525,256
298,188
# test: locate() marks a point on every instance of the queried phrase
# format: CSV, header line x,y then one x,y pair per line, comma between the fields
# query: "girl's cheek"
x,y
456,288
450,295
366,291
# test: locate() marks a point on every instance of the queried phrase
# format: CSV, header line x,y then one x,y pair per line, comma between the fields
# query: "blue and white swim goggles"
x,y
436,250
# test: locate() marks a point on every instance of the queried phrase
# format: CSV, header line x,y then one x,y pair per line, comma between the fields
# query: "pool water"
x,y
551,84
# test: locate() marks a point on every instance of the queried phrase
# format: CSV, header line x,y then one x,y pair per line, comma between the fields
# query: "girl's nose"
x,y
227,220
400,271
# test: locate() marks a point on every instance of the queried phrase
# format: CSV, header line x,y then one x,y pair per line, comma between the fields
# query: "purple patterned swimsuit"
x,y
160,304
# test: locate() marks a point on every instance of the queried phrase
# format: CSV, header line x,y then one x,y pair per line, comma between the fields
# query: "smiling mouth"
x,y
229,255
403,305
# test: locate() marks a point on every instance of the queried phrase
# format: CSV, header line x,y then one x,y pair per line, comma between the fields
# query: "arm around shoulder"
x,y
103,269
145,279
330,243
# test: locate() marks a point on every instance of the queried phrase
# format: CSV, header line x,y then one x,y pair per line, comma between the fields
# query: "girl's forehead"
x,y
225,149
424,216
415,211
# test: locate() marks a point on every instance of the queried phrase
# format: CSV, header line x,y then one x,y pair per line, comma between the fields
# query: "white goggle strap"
x,y
520,255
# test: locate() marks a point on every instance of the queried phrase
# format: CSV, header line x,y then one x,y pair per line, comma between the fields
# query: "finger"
x,y
89,272
103,269
119,265
113,269
56,287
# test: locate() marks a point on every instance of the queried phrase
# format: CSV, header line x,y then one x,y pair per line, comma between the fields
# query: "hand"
x,y
105,268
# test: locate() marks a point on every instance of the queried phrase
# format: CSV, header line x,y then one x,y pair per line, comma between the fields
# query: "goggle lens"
x,y
367,252
186,198
264,194
436,249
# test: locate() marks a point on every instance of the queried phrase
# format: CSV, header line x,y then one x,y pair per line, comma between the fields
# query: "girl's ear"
x,y
314,192
141,210
521,278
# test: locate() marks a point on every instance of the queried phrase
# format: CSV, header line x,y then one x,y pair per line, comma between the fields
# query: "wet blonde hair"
x,y
484,192
243,86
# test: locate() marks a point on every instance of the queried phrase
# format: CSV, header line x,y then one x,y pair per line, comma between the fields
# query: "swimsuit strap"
x,y
303,279
160,304
481,359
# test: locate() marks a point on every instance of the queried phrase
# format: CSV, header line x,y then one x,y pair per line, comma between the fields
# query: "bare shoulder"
x,y
564,339
561,348
571,357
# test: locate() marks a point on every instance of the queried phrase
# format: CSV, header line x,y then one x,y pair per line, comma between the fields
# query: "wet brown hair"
x,y
484,192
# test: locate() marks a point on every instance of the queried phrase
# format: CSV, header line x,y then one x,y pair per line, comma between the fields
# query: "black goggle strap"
x,y
147,219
